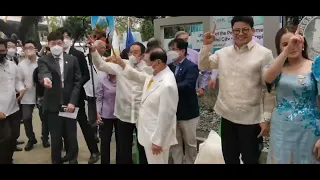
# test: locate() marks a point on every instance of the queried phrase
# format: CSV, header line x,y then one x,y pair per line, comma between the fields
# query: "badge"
x,y
310,26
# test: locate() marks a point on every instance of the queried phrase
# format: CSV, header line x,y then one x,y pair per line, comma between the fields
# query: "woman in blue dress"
x,y
295,124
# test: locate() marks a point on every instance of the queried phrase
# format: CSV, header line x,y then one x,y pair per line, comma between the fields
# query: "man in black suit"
x,y
61,76
39,97
87,131
186,73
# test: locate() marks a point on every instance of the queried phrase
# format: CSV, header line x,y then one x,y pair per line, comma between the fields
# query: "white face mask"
x,y
11,52
149,69
56,50
133,59
172,56
67,43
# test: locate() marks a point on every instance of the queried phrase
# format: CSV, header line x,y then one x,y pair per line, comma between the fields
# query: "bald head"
x,y
100,46
182,35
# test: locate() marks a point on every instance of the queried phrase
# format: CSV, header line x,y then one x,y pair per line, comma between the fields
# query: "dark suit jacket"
x,y
85,76
186,77
49,68
39,87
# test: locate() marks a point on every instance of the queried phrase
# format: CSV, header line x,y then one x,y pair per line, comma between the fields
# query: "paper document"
x,y
68,114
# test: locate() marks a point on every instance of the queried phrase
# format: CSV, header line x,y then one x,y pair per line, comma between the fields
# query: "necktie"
x,y
149,84
61,83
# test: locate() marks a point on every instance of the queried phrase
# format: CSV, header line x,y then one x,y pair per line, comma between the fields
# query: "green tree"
x,y
146,30
151,18
28,29
78,26
122,23
293,20
54,23
7,29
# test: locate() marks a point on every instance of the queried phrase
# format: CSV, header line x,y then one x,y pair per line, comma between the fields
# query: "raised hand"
x,y
120,61
111,59
296,40
90,45
210,37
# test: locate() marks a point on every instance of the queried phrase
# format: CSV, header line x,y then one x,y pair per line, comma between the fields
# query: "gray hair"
x,y
180,33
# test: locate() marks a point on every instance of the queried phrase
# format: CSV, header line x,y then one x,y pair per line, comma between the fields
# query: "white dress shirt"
x,y
241,84
10,84
128,93
26,69
61,67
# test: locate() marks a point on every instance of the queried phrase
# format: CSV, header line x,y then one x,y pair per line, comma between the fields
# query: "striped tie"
x,y
149,84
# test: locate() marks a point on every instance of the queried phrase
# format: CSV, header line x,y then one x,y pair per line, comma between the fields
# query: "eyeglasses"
x,y
244,31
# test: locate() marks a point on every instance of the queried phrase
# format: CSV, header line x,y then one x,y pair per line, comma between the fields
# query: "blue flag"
x,y
130,39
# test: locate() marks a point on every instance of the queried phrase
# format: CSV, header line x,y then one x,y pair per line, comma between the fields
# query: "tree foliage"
x,y
7,29
54,22
78,26
122,23
146,30
151,18
28,29
293,20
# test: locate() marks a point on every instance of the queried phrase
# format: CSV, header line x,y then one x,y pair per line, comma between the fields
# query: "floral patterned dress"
x,y
295,124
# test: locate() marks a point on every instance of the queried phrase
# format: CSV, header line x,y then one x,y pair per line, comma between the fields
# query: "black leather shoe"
x,y
65,159
73,162
30,145
19,142
94,158
46,144
18,149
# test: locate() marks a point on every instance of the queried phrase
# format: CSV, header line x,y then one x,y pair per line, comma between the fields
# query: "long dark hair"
x,y
290,29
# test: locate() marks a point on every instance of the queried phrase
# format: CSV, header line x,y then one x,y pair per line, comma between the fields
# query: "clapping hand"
x,y
210,37
295,41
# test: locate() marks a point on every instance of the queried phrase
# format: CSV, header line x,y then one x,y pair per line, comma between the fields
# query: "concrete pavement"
x,y
40,155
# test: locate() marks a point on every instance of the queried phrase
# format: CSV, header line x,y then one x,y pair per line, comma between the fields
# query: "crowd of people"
x,y
155,93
